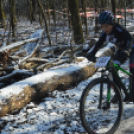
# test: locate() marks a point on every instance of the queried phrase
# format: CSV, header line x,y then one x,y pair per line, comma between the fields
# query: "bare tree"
x,y
113,6
96,19
103,5
54,12
34,9
12,17
2,15
44,16
84,5
48,8
76,22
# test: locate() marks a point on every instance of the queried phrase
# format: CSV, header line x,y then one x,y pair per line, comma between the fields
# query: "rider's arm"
x,y
129,41
99,42
125,36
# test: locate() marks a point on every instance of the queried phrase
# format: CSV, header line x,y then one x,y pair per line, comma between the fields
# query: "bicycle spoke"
x,y
100,120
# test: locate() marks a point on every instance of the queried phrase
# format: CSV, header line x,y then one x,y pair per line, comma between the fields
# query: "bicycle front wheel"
x,y
100,117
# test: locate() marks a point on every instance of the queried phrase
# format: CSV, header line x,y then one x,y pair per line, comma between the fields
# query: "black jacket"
x,y
118,36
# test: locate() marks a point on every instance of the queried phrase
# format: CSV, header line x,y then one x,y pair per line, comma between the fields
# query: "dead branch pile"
x,y
35,55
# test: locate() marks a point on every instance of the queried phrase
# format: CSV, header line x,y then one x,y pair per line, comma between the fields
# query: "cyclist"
x,y
118,35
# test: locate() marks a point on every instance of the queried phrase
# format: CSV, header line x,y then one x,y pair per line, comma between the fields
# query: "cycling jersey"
x,y
118,36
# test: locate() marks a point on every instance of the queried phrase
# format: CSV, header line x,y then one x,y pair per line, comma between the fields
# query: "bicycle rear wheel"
x,y
100,120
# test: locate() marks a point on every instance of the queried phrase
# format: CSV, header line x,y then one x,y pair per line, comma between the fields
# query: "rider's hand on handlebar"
x,y
91,56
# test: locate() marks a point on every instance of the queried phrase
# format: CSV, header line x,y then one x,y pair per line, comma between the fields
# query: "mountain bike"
x,y
97,112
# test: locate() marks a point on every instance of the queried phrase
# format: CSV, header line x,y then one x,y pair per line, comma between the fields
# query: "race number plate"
x,y
102,62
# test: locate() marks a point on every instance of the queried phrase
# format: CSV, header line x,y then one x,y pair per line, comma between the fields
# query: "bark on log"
x,y
39,89
33,88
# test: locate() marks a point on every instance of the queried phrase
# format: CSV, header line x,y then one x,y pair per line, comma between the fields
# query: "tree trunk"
x,y
64,8
34,9
69,17
125,12
119,11
49,16
12,17
40,17
31,10
96,18
44,15
54,12
2,15
84,3
113,7
76,22
103,5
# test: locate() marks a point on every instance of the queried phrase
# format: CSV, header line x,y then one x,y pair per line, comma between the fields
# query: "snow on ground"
x,y
56,114
17,87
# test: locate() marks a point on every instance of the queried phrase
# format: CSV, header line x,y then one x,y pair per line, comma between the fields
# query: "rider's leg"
x,y
131,60
132,68
118,59
115,98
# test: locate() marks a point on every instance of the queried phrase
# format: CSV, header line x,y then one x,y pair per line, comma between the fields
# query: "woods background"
x,y
46,11
53,32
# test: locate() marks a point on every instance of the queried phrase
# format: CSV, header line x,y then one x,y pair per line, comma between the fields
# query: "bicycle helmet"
x,y
106,17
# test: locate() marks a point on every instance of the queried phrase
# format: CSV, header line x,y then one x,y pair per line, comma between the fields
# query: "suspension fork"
x,y
101,92
109,89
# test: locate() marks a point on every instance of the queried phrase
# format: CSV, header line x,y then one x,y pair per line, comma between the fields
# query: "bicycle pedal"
x,y
106,106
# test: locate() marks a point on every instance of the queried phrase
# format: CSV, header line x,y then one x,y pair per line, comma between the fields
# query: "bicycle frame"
x,y
118,82
114,73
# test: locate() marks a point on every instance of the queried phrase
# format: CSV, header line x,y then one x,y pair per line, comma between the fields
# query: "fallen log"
x,y
19,94
15,72
7,68
34,59
56,64
33,88
15,46
31,62
21,62
45,51
49,64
